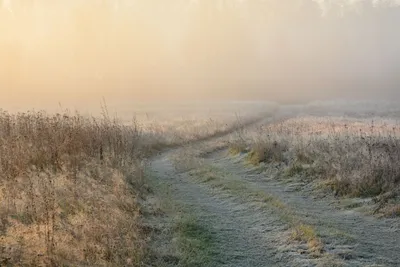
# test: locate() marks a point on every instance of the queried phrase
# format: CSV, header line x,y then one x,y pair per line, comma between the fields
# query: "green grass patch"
x,y
195,242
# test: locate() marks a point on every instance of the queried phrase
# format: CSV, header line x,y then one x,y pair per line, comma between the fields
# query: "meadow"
x,y
351,153
72,185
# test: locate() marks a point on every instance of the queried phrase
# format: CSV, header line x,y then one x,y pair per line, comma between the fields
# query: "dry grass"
x,y
237,148
172,132
306,233
267,152
69,185
357,157
66,190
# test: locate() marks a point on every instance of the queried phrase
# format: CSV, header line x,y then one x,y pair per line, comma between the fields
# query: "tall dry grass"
x,y
355,157
66,194
70,185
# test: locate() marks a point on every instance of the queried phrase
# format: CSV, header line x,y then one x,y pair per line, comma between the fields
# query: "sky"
x,y
178,50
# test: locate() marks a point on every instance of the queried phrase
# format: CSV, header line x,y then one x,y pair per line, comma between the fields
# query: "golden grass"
x,y
69,186
94,223
266,152
255,157
237,148
306,233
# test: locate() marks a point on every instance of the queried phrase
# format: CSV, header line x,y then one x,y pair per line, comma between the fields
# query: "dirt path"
x,y
358,239
238,242
244,235
247,232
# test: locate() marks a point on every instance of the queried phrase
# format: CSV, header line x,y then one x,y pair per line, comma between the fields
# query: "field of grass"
x,y
353,157
69,189
182,124
71,185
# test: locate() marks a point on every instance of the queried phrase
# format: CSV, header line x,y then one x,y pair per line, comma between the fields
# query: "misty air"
x,y
199,133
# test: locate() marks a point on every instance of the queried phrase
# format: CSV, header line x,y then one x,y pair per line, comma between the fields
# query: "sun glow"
x,y
78,51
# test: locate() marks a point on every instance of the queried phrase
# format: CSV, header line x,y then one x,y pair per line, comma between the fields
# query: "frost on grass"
x,y
357,157
69,185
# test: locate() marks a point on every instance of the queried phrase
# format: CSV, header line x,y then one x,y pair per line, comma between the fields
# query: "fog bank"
x,y
176,50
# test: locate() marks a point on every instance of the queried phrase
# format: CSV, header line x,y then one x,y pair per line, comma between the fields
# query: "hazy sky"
x,y
297,50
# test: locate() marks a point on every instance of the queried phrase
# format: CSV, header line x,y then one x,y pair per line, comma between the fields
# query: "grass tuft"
x,y
306,233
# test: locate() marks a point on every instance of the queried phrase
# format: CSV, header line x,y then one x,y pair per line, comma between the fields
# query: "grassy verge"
x,y
352,157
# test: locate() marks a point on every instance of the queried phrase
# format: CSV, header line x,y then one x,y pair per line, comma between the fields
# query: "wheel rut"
x,y
244,234
360,240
